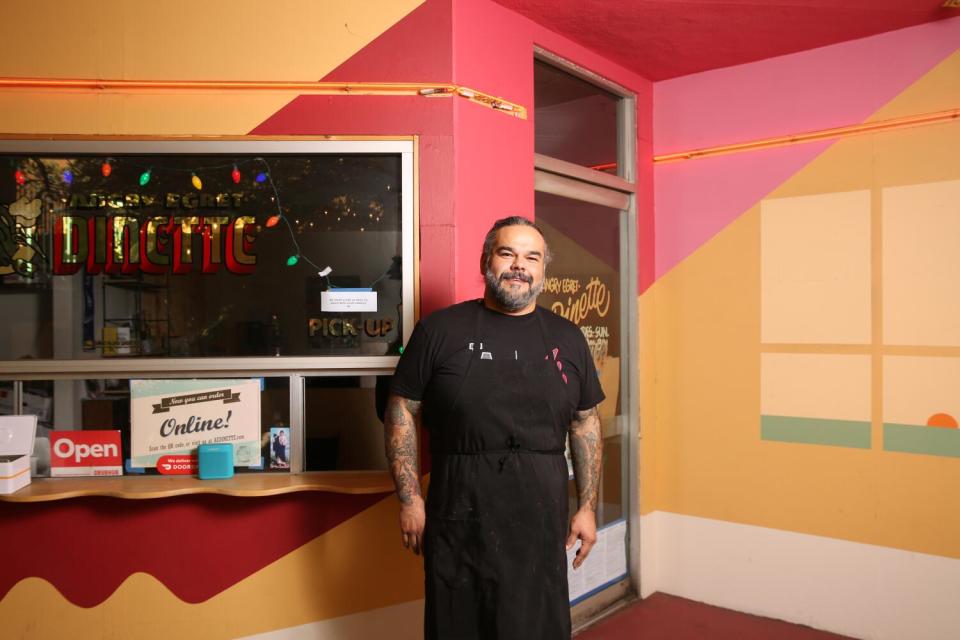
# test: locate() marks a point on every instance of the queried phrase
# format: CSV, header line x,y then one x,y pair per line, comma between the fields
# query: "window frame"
x,y
295,368
570,180
52,369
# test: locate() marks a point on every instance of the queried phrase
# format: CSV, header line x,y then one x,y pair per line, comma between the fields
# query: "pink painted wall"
x,y
425,39
493,52
832,86
476,165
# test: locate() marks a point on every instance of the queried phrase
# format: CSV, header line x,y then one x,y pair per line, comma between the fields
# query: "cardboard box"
x,y
16,447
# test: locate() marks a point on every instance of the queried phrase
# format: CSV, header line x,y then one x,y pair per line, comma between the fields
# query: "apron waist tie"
x,y
513,448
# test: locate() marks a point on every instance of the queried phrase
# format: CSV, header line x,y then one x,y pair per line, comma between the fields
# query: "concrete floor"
x,y
665,617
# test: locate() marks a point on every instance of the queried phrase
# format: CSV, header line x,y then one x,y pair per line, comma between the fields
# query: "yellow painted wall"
x,y
342,571
887,259
295,40
357,566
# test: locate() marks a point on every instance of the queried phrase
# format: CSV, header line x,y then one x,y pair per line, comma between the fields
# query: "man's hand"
x,y
586,447
582,526
413,517
401,449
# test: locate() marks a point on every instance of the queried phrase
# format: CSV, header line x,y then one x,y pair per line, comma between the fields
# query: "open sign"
x,y
85,453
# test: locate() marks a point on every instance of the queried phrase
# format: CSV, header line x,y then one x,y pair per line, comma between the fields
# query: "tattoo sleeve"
x,y
586,445
401,446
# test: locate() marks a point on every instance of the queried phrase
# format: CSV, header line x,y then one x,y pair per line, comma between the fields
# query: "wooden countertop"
x,y
246,485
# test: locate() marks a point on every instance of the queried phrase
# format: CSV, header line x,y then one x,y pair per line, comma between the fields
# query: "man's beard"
x,y
507,298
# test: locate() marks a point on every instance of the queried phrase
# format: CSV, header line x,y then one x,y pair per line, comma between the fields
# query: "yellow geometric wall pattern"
x,y
815,252
921,404
921,264
816,288
302,40
341,572
878,262
815,398
713,339
357,566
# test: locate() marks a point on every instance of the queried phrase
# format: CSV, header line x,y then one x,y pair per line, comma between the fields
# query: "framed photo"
x,y
280,447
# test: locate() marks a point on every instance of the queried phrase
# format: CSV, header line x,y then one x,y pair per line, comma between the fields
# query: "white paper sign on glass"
x,y
356,300
606,564
174,417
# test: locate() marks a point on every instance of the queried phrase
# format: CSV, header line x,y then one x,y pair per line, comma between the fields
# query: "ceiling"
x,y
661,39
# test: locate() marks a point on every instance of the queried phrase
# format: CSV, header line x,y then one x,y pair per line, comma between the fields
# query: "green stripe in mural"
x,y
837,433
933,441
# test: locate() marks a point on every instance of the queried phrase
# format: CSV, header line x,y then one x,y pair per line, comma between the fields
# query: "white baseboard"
x,y
855,589
399,622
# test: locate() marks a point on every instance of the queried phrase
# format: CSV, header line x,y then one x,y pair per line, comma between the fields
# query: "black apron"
x,y
497,509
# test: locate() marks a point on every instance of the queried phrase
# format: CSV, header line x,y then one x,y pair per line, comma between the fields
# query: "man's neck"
x,y
491,303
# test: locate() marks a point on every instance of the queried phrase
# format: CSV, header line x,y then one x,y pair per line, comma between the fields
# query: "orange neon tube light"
x,y
424,89
812,136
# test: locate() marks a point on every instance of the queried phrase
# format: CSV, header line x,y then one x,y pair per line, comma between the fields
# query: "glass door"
x,y
585,171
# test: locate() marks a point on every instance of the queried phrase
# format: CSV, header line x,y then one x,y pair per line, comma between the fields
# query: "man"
x,y
499,383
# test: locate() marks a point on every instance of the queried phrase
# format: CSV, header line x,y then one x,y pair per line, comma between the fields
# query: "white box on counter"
x,y
16,447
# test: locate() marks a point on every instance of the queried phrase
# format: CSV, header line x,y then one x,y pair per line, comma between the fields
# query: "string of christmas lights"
x,y
264,175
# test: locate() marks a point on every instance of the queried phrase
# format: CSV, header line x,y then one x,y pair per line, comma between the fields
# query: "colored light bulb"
x,y
68,176
292,260
195,179
235,174
261,177
145,177
273,221
19,177
106,169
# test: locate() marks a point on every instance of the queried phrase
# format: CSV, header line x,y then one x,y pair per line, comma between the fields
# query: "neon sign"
x,y
105,234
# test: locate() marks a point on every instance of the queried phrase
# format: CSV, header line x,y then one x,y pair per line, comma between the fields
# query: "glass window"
x,y
342,426
200,255
118,256
104,404
583,284
574,120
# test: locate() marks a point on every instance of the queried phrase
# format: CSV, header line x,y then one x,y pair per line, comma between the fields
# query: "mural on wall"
x,y
793,311
821,344
317,553
797,324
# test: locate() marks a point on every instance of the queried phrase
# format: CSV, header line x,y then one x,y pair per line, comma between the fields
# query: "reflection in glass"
x,y
583,285
148,264
342,428
104,404
574,120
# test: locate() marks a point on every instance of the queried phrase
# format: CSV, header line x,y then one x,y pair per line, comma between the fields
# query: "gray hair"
x,y
511,221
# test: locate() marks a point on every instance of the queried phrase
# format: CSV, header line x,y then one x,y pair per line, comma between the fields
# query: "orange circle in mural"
x,y
942,420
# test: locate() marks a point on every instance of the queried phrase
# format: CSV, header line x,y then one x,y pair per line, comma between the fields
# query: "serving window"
x,y
265,260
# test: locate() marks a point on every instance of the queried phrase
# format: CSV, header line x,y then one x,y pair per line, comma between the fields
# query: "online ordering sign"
x,y
174,417
85,453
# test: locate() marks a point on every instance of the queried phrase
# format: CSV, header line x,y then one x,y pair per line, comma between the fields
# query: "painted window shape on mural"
x,y
859,305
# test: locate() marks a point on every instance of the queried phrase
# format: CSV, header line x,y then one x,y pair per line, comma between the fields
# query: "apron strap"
x,y
513,447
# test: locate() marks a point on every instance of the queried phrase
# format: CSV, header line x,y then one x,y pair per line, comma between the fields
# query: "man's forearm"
x,y
586,445
401,446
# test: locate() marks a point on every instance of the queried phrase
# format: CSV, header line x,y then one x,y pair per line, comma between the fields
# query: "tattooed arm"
x,y
401,448
586,446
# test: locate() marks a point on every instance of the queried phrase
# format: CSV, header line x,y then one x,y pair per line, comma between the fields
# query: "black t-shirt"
x,y
440,348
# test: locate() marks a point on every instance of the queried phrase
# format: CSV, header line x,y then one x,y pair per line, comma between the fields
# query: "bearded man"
x,y
499,383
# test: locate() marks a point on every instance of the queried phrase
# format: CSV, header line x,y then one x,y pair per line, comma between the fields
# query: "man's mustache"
x,y
526,277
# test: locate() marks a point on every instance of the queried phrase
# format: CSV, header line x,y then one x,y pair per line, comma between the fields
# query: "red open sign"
x,y
85,453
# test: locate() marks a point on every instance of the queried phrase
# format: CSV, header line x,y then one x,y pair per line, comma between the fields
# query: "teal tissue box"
x,y
215,461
